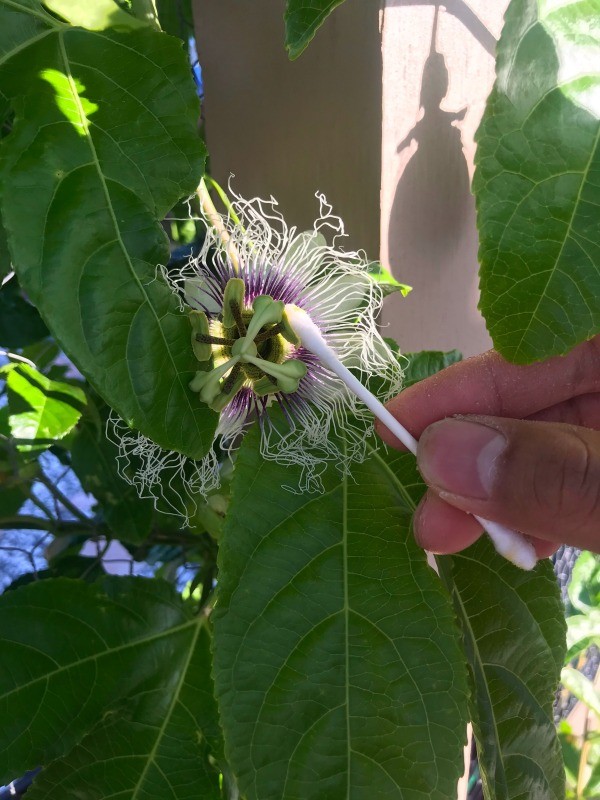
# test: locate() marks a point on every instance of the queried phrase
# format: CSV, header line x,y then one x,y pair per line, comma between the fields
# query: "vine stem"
x,y
215,219
508,543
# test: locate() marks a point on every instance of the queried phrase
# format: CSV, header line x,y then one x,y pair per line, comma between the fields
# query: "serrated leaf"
x,y
116,688
40,409
104,143
94,461
303,18
513,630
20,322
537,181
336,661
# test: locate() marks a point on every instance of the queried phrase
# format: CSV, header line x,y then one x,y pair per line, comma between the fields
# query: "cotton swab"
x,y
508,543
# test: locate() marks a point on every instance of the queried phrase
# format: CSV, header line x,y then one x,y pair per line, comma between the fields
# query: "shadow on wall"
x,y
431,202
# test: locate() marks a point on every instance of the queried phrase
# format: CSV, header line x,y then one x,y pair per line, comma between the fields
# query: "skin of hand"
x,y
519,445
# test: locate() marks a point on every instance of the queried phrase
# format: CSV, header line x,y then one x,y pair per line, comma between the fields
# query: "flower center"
x,y
245,347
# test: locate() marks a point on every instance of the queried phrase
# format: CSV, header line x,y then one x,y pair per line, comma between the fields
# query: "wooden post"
x,y
289,129
438,68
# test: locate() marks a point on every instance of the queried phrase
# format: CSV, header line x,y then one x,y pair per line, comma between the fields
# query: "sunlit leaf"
x,y
583,631
584,586
40,410
113,681
104,143
386,281
336,659
582,688
97,15
537,181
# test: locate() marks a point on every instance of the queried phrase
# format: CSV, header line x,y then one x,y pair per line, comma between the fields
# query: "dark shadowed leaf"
x,y
113,681
326,615
537,181
104,143
20,322
94,461
514,635
425,363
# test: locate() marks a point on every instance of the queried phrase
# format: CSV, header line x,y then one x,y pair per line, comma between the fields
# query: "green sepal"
x,y
209,383
219,403
288,374
264,386
199,321
266,311
235,291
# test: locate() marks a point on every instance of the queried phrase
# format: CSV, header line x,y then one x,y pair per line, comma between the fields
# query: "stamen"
x,y
208,339
274,331
236,313
231,379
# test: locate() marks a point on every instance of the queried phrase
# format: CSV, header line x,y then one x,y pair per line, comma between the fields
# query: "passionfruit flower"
x,y
250,362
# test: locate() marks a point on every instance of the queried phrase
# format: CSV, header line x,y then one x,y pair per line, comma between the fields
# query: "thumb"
x,y
540,478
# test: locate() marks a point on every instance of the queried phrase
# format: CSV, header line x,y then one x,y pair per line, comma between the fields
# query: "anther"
x,y
236,313
231,379
274,331
208,339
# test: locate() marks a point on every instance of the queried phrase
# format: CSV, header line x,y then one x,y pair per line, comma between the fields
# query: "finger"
x,y
540,478
442,529
487,384
584,411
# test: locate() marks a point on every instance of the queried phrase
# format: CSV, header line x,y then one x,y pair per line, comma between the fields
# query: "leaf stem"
x,y
215,219
64,500
224,199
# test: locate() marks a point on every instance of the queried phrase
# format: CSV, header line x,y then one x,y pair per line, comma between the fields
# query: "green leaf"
x,y
584,587
20,322
583,631
5,265
302,20
336,660
40,409
116,687
96,16
537,181
104,143
513,632
425,363
94,461
175,17
581,687
386,281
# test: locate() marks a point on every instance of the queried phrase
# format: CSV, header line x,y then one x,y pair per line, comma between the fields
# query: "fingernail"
x,y
460,457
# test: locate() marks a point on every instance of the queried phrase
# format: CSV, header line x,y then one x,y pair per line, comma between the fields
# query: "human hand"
x,y
524,449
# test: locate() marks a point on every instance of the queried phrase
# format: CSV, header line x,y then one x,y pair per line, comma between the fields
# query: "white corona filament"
x,y
508,543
